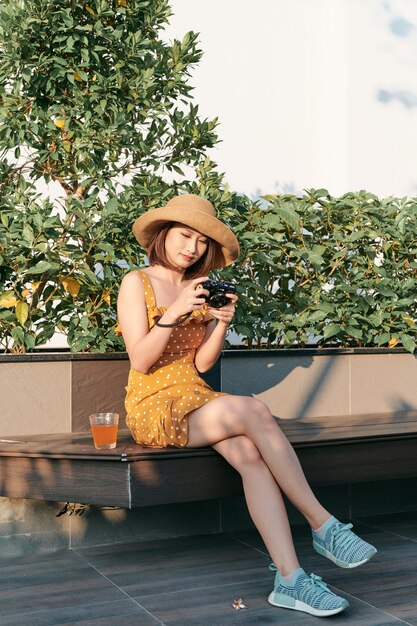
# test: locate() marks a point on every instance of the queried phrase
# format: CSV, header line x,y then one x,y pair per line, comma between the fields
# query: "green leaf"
x,y
41,267
112,206
328,307
18,335
408,342
287,215
354,332
331,330
316,259
382,338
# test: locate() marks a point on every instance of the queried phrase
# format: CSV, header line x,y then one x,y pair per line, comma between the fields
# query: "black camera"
x,y
217,293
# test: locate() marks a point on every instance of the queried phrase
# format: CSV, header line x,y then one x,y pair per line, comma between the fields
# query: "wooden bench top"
x,y
332,450
306,432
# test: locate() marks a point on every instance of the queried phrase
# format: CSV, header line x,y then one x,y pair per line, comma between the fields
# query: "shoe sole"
x,y
302,606
338,562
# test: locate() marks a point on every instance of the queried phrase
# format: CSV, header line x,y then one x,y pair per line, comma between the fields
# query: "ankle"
x,y
318,522
321,530
286,571
290,579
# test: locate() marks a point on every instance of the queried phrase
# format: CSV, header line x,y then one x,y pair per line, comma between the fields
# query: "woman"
x,y
171,334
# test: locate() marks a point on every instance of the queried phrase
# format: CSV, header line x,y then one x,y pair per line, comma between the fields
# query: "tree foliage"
x,y
94,100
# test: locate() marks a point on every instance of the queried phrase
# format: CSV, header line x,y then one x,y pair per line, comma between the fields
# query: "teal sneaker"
x,y
338,543
307,593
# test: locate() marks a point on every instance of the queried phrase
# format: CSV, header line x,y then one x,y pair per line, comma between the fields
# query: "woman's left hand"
x,y
225,313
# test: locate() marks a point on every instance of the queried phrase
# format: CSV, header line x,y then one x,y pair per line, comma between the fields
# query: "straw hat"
x,y
195,212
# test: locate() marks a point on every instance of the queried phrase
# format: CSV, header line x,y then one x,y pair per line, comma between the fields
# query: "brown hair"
x,y
157,255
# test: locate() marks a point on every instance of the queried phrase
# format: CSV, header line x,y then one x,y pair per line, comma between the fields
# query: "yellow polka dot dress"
x,y
157,403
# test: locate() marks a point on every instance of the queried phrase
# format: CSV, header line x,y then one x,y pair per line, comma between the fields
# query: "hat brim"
x,y
150,222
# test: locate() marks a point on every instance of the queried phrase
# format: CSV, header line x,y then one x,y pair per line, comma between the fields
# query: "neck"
x,y
173,276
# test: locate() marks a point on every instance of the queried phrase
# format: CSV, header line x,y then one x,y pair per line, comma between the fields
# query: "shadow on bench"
x,y
332,450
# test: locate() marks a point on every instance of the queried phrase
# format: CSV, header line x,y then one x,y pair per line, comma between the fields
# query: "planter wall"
x,y
55,393
296,384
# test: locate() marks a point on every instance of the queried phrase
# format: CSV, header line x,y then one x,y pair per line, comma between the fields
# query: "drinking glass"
x,y
104,428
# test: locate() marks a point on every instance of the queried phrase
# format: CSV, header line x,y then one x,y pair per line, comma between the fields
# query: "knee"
x,y
244,454
249,411
260,414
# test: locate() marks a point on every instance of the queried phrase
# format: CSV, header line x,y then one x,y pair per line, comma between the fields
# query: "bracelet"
x,y
177,323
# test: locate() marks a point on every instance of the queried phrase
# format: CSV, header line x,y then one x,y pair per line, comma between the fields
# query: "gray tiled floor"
x,y
192,581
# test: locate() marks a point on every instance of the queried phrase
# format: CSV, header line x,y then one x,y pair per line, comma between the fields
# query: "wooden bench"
x,y
332,450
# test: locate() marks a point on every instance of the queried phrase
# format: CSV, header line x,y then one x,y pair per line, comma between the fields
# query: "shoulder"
x,y
133,277
132,281
132,294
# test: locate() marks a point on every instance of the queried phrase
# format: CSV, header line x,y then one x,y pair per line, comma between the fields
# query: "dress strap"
x,y
149,292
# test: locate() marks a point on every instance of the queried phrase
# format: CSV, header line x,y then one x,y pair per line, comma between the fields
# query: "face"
x,y
184,246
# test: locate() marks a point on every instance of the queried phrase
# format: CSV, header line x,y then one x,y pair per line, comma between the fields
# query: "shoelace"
x,y
316,582
341,536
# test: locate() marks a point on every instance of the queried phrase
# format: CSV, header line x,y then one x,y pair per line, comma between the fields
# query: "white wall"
x,y
310,93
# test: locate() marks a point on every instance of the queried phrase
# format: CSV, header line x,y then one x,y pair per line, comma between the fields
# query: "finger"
x,y
221,315
228,308
201,290
197,281
225,308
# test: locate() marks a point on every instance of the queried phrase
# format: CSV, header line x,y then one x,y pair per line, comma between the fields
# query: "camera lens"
x,y
218,300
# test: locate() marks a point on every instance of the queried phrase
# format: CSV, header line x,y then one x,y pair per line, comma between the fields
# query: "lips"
x,y
187,258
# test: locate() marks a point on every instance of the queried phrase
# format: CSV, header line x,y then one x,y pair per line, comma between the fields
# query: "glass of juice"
x,y
104,428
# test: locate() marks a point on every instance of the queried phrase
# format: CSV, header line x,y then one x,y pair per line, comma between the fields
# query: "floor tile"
x,y
404,524
123,613
52,581
178,564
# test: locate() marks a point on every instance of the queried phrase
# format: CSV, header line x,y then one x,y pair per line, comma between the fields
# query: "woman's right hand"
x,y
190,299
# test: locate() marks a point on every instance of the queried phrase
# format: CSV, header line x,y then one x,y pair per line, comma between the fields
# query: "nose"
x,y
191,246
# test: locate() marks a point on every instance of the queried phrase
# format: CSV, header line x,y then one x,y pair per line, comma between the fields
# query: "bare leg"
x,y
264,500
231,416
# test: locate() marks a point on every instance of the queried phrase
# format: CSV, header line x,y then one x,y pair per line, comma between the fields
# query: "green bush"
x,y
333,271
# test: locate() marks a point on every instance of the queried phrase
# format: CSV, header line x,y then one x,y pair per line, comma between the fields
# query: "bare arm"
x,y
145,346
209,351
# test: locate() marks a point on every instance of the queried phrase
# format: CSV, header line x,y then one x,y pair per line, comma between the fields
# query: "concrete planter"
x,y
55,392
296,384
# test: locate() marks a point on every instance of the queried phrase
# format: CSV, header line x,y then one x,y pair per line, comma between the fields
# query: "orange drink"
x,y
104,429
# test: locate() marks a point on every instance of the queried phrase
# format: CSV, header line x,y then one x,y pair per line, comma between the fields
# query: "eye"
x,y
185,235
